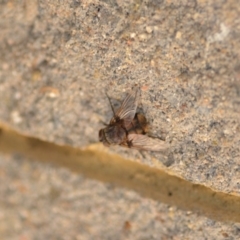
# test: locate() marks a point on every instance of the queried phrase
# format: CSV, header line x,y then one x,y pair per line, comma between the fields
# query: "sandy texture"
x,y
43,202
59,57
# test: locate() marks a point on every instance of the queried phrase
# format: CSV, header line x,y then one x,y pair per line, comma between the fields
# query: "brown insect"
x,y
128,128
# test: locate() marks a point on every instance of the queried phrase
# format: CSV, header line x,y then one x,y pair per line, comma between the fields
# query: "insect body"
x,y
128,128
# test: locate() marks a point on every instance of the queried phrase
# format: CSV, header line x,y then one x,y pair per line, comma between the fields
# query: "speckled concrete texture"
x,y
58,58
43,202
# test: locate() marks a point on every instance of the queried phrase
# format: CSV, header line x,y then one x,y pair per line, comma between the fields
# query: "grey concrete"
x,y
43,202
57,59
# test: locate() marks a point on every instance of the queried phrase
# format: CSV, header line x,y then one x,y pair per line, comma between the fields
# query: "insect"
x,y
128,128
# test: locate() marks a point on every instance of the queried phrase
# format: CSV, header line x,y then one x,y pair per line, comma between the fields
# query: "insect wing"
x,y
144,142
128,108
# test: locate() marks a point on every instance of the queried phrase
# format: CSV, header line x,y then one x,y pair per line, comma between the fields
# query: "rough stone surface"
x,y
59,57
44,202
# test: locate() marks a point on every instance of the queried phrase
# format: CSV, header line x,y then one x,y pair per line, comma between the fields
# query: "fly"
x,y
128,128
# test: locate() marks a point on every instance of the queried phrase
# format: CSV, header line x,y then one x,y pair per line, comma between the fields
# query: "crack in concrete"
x,y
96,163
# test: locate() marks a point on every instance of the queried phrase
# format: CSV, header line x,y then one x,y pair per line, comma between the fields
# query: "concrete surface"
x,y
59,57
43,202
